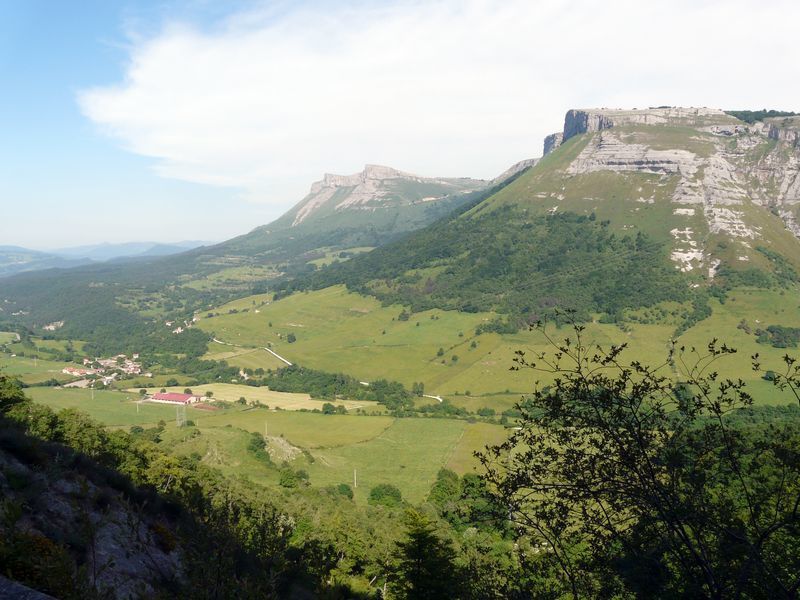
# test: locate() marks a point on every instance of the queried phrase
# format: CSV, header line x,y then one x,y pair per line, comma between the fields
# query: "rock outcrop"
x,y
715,168
377,185
580,121
514,170
551,142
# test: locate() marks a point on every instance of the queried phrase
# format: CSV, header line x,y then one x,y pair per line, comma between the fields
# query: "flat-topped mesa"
x,y
579,121
370,172
378,187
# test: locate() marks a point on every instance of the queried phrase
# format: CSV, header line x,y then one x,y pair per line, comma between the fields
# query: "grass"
x,y
474,438
30,371
230,392
6,337
408,454
115,409
306,430
339,331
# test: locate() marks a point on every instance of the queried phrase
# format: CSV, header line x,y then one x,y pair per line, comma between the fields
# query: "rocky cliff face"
x,y
514,169
725,179
578,121
551,142
378,186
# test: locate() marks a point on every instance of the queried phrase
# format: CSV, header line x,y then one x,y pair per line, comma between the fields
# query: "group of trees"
x,y
329,386
635,487
515,263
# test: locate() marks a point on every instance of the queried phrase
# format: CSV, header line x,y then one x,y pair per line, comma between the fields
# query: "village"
x,y
105,370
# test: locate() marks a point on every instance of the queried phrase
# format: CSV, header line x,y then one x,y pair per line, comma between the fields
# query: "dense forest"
x,y
520,265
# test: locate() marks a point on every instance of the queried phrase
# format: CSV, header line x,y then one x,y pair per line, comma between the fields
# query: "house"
x,y
76,372
174,398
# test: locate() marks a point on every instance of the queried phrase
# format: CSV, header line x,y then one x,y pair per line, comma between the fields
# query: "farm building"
x,y
174,398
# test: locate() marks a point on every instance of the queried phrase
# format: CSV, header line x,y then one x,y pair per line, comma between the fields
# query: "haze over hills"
x,y
110,251
14,259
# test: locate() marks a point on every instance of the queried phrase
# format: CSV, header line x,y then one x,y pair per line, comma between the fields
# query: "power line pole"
x,y
355,479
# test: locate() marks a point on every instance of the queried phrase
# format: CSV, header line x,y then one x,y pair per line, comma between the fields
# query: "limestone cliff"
x,y
726,179
377,186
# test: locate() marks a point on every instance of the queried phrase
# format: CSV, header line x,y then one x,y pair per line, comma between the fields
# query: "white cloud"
x,y
269,100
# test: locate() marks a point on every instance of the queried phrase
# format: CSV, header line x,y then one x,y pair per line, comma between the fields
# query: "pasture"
x,y
406,452
339,331
115,409
7,337
30,370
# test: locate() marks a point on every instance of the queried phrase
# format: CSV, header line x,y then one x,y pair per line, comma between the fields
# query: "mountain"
x,y
14,259
340,217
628,209
107,251
364,209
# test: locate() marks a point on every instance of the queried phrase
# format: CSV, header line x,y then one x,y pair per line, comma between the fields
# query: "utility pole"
x,y
355,479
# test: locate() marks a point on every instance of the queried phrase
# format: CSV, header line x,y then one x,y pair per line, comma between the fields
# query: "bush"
x,y
385,494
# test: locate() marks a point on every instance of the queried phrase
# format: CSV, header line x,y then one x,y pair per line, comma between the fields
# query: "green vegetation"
x,y
519,265
751,116
637,488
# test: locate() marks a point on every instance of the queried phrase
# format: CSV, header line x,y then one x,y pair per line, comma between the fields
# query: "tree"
x,y
634,489
291,338
385,494
10,393
425,562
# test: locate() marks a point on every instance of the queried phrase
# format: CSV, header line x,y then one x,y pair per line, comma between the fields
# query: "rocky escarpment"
x,y
715,166
514,170
377,186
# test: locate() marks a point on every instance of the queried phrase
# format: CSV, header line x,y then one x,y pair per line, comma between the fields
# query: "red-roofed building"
x,y
174,398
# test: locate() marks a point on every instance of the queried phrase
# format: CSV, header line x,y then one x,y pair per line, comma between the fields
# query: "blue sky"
x,y
191,119
62,182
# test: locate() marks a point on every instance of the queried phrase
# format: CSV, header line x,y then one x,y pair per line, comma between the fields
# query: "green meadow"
x,y
405,452
30,370
6,337
336,330
115,409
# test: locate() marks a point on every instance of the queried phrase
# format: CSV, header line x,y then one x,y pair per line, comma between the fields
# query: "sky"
x,y
170,120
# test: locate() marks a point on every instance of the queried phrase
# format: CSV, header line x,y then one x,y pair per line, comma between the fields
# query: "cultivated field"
x,y
230,392
405,452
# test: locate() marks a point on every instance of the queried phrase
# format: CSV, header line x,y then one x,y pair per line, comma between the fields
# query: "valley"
x,y
352,358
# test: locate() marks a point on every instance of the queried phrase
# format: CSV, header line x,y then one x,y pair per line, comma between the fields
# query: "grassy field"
x,y
115,409
340,331
29,370
6,337
287,401
405,452
408,454
245,358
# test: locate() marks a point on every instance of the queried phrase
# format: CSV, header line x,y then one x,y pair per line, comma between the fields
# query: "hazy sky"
x,y
191,119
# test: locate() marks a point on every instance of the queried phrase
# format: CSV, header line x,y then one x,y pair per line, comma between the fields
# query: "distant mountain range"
x,y
14,259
